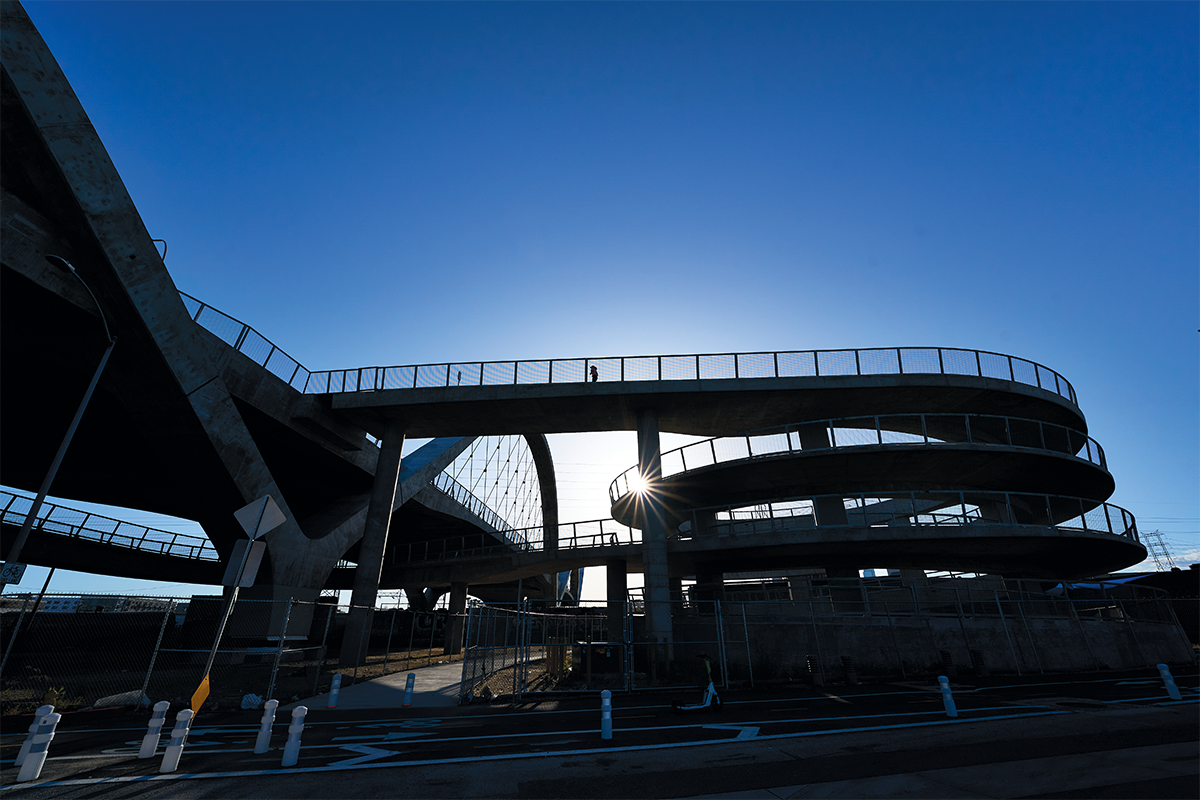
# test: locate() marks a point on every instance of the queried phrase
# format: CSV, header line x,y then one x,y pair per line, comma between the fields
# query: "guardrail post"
x,y
263,743
1169,681
408,689
183,722
31,769
154,730
947,697
291,750
605,713
42,711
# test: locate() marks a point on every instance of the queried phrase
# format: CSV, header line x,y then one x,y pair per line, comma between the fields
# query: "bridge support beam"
x,y
374,540
457,621
654,537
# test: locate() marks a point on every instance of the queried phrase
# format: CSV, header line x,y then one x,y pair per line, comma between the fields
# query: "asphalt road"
x,y
1042,736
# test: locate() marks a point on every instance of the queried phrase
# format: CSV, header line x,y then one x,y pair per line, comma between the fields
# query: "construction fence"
x,y
91,652
822,631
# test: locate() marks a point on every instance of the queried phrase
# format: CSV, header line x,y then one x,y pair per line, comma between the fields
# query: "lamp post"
x,y
14,553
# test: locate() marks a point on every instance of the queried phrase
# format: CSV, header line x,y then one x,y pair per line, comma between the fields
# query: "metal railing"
x,y
77,524
247,341
923,429
883,510
712,366
522,539
701,366
886,510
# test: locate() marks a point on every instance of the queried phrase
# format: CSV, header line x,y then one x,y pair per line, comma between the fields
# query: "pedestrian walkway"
x,y
436,686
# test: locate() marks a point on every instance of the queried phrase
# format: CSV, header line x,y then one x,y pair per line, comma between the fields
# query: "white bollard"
x,y
334,689
291,750
32,768
947,698
263,743
183,722
1172,689
408,688
154,729
33,726
606,714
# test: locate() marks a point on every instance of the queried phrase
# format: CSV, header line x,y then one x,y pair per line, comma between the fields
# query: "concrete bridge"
x,y
195,421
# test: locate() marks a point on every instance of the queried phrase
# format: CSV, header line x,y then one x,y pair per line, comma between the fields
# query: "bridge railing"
x,y
247,341
924,429
522,539
880,510
911,509
84,525
711,366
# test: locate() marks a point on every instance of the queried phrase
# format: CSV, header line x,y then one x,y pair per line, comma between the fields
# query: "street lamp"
x,y
14,552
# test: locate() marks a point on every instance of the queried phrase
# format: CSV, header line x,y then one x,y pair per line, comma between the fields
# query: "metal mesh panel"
x,y
318,383
880,362
254,346
641,369
837,362
191,304
768,444
607,369
679,368
719,366
797,365
959,362
533,372
498,373
1057,439
756,365
994,365
672,462
283,366
1047,379
731,449
989,430
851,437
569,371
1025,433
223,326
399,377
901,429
699,454
432,375
465,374
1024,371
921,360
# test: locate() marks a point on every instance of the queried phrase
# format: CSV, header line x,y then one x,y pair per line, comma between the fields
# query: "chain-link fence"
x,y
513,651
80,652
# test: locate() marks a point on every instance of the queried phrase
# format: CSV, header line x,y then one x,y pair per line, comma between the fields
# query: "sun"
x,y
638,484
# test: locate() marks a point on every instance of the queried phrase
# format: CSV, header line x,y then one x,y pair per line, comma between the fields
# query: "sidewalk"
x,y
435,687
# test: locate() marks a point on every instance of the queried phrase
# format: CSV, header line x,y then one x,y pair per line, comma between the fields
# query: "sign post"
x,y
259,517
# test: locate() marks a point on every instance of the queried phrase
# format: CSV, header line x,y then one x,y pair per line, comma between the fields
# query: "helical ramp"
x,y
1018,496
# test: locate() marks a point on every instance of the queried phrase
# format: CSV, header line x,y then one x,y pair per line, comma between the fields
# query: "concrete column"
x,y
458,619
374,540
617,591
654,534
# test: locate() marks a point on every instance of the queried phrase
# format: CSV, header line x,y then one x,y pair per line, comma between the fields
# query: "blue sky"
x,y
396,183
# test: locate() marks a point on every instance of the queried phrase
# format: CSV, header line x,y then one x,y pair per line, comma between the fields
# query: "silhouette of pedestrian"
x,y
595,374
460,377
